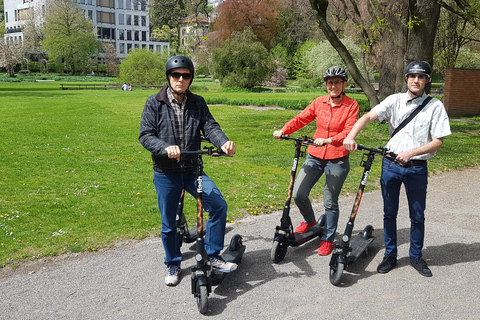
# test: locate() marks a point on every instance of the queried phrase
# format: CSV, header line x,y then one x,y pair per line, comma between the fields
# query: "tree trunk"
x,y
320,6
391,53
421,36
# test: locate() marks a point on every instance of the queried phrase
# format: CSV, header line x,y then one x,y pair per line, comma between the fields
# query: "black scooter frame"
x,y
284,234
203,276
349,250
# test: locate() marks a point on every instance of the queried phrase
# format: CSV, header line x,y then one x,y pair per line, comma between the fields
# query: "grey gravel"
x,y
126,282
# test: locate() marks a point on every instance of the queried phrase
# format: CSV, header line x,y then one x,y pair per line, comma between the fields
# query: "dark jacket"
x,y
157,130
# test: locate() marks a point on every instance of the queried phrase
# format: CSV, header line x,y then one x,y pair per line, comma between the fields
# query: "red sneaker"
x,y
303,227
326,248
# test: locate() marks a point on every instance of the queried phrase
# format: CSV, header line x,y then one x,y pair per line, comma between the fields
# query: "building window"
x,y
129,19
137,36
129,47
121,19
105,17
89,2
144,35
120,4
90,14
6,16
121,48
135,20
129,35
81,1
121,34
106,3
144,21
129,5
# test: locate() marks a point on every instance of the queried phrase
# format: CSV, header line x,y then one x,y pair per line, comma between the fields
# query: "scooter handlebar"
x,y
382,151
307,141
211,151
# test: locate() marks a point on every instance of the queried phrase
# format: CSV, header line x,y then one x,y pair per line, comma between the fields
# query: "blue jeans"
x,y
415,180
336,171
169,188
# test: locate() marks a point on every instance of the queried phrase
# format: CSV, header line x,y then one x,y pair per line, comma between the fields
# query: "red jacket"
x,y
332,122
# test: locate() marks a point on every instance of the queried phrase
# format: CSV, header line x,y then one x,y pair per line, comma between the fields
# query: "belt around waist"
x,y
411,163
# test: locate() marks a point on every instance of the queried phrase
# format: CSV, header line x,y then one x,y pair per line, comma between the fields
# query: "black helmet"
x,y
420,67
335,72
179,62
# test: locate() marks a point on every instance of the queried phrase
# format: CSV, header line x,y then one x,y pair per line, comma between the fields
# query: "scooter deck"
x,y
359,245
229,256
301,238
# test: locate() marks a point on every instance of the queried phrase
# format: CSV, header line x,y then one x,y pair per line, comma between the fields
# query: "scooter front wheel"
x,y
202,299
279,249
336,270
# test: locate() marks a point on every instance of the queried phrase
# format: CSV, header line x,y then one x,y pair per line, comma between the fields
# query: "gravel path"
x,y
127,282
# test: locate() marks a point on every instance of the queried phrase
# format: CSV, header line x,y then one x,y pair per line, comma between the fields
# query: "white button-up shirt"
x,y
430,123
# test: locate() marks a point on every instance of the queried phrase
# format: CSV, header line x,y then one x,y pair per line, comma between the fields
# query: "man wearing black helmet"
x,y
414,142
174,120
335,114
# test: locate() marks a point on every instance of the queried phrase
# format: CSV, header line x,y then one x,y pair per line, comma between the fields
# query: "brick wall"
x,y
461,96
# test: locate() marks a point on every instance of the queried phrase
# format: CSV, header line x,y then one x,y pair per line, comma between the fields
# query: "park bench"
x,y
81,86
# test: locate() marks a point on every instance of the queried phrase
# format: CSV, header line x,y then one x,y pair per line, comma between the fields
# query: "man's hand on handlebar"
x,y
349,144
229,148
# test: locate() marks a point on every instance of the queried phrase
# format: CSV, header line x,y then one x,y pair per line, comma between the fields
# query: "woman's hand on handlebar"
x,y
278,134
320,142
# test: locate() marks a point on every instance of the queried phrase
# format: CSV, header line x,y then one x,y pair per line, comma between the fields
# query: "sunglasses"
x,y
177,75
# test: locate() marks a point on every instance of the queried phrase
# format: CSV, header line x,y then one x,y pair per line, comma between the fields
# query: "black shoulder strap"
x,y
411,116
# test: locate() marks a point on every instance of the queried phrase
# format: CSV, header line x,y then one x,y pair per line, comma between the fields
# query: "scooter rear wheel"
x,y
236,243
279,249
367,232
202,299
336,271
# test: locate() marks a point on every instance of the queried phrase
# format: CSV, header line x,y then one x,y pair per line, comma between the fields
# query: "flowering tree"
x,y
11,54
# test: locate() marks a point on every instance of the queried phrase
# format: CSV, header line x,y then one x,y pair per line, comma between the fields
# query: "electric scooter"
x,y
349,250
203,276
284,234
185,234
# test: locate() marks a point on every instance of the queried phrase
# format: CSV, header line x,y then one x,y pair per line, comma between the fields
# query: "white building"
x,y
125,23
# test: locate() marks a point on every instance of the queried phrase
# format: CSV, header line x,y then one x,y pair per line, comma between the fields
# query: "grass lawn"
x,y
74,177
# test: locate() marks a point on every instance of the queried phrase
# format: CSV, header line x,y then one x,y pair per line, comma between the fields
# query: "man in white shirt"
x,y
414,144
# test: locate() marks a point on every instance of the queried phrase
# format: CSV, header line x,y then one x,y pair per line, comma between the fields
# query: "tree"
x,y
68,34
167,13
11,54
143,67
453,34
241,61
393,33
2,29
259,15
110,59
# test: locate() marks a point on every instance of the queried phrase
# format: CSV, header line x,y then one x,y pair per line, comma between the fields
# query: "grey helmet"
x,y
179,62
420,67
335,71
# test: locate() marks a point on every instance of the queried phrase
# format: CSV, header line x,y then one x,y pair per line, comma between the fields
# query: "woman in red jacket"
x,y
335,114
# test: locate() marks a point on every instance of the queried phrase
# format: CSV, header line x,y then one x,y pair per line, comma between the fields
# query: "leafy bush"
x,y
241,61
143,67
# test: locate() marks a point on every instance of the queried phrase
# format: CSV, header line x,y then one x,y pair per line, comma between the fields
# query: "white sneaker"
x,y
173,275
221,265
